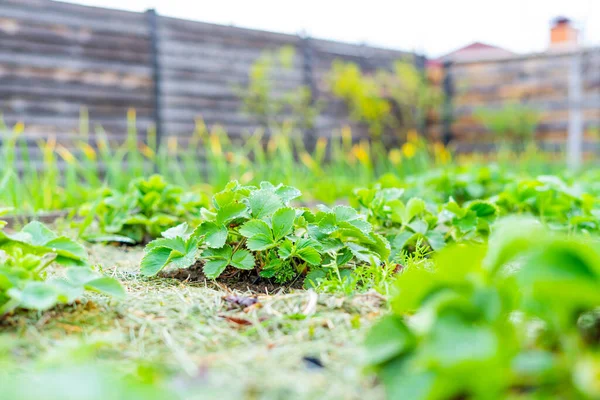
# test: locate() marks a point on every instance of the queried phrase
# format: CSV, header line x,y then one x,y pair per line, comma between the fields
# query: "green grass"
x,y
51,176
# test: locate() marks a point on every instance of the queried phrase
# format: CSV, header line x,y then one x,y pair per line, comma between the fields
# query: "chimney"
x,y
563,34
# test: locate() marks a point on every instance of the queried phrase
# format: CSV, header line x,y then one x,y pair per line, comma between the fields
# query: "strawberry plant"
x,y
148,208
409,223
471,221
24,259
561,206
521,308
256,228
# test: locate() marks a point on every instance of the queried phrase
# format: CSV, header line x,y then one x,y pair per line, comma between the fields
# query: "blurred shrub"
x,y
267,103
519,315
512,123
401,99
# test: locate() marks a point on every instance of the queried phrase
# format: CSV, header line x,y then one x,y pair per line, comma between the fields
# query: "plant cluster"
x,y
516,318
266,102
256,228
399,99
512,123
149,207
24,259
385,225
65,177
463,184
558,203
413,222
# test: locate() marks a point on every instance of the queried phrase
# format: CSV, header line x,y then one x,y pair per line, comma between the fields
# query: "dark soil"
x,y
234,279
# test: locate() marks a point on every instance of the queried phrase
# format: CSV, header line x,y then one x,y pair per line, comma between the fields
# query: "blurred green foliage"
x,y
400,99
268,103
24,259
511,319
512,123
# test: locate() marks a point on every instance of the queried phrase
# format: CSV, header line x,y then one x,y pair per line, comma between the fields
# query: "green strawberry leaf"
x,y
218,259
242,259
310,255
286,249
37,296
69,252
214,235
230,212
264,203
155,260
287,193
255,227
181,230
414,207
38,233
107,286
283,222
213,268
260,242
259,235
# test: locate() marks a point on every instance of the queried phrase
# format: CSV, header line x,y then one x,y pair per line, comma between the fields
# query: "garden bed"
x,y
408,280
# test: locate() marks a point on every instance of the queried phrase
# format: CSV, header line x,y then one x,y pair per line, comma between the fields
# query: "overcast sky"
x,y
433,27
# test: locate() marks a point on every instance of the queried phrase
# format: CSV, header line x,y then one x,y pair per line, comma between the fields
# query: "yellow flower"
x,y
131,114
146,150
321,145
66,155
215,144
361,152
409,150
246,177
412,136
272,145
18,128
89,151
395,156
172,144
346,135
443,157
307,160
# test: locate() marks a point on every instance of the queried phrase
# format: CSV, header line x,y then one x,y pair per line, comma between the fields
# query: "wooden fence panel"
x,y
204,69
57,58
539,81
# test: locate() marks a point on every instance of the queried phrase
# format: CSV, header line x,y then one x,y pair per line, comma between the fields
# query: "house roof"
x,y
475,50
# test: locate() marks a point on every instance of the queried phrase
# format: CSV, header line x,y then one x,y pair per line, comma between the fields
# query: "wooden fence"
x,y
539,81
56,58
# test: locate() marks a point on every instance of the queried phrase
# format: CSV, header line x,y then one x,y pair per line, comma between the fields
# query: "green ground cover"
x,y
168,281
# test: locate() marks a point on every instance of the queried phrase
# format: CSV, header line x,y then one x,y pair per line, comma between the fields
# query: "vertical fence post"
x,y
575,134
152,17
308,79
447,113
420,64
